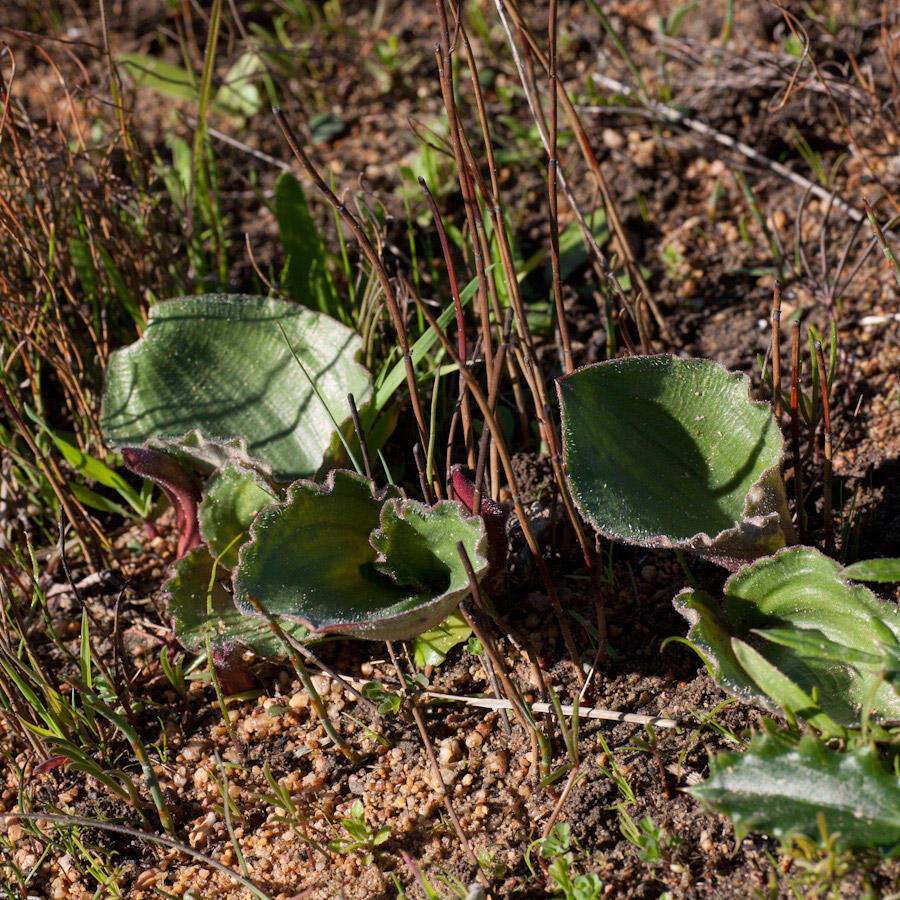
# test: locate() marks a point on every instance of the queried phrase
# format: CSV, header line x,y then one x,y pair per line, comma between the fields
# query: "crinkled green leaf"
x,y
783,788
199,611
794,632
214,376
233,497
884,570
667,452
341,560
431,647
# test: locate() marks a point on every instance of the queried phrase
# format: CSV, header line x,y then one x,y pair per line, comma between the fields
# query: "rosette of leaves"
x,y
254,379
339,558
794,633
668,452
787,787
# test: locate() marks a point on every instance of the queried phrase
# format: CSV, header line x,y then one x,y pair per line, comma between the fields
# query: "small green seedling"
x,y
557,850
652,842
362,838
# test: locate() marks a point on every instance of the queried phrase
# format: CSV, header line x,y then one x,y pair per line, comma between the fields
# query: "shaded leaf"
x,y
667,452
783,788
214,377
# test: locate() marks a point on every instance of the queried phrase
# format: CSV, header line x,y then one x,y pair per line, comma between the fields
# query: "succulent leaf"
x,y
341,560
233,497
202,607
667,452
784,787
216,377
794,632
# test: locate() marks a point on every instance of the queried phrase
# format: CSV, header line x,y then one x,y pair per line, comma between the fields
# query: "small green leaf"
x,y
432,647
667,452
783,788
305,278
240,93
794,632
163,77
230,503
201,606
884,570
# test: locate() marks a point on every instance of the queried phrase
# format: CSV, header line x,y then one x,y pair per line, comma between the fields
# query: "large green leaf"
x,y
233,497
203,608
215,377
339,559
784,788
793,632
667,452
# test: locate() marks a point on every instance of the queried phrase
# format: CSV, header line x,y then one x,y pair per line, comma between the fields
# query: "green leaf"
x,y
667,452
794,632
199,611
230,503
213,377
323,127
305,277
884,570
341,560
163,77
240,93
431,647
783,788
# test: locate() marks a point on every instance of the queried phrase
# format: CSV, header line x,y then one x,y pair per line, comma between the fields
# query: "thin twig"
x,y
827,511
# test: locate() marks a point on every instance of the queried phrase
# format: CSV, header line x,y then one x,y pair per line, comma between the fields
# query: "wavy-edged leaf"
x,y
214,376
199,611
341,560
667,452
233,497
794,632
783,788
